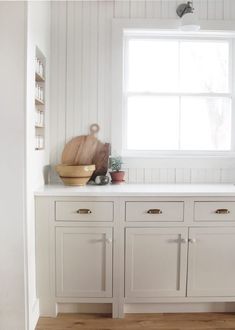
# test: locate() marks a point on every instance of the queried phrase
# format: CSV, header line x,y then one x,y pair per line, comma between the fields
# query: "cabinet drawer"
x,y
84,211
154,211
214,211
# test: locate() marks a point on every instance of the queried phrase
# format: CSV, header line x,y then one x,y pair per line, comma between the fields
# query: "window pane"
x,y
204,66
152,123
153,66
205,123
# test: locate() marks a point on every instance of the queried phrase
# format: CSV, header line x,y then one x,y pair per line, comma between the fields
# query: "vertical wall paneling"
x,y
227,9
81,76
197,7
78,65
138,9
104,68
153,9
70,72
203,9
164,9
58,79
219,9
228,176
140,175
172,9
155,175
147,175
211,9
183,175
89,68
132,177
232,9
121,9
205,175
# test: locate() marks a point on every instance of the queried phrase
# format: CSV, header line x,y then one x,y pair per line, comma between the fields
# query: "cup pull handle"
x,y
154,211
222,211
84,211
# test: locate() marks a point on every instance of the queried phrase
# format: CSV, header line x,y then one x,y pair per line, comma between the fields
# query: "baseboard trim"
x,y
33,320
84,308
149,308
180,308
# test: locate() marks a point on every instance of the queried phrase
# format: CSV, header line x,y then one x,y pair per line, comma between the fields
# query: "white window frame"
x,y
128,36
162,28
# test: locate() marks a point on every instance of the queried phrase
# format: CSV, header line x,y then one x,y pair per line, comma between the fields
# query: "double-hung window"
x,y
177,94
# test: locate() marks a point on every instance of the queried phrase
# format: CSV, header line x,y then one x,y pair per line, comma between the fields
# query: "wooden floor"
x,y
205,321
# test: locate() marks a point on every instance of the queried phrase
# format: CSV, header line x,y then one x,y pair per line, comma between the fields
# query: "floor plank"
x,y
196,321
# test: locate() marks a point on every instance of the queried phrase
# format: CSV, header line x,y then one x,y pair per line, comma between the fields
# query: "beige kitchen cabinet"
x,y
113,247
83,262
211,262
156,262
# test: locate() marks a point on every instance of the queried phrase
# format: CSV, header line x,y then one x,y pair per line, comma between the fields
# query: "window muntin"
x,y
177,94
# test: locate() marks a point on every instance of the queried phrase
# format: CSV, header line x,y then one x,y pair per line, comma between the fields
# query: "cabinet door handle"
x,y
184,240
192,240
154,211
84,211
108,240
222,211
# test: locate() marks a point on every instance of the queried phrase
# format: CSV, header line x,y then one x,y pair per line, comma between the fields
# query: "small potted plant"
x,y
115,164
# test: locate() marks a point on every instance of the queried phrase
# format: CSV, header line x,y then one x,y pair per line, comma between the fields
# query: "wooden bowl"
x,y
74,181
75,175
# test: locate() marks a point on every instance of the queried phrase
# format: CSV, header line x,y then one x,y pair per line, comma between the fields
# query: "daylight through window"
x,y
177,94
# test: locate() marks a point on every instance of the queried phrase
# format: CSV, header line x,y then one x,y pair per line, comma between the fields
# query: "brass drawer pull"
x,y
154,211
84,211
222,211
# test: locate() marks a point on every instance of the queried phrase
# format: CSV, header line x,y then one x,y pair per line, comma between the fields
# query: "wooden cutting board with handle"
x,y
87,150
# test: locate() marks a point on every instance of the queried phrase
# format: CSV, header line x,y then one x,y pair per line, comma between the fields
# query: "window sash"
x,y
127,94
128,37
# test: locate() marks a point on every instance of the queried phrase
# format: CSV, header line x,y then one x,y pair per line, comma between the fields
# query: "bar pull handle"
x,y
154,211
84,211
192,240
184,240
109,240
222,211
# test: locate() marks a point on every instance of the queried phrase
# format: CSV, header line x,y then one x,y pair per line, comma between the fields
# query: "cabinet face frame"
x,y
201,237
214,211
97,211
176,236
106,260
154,211
46,264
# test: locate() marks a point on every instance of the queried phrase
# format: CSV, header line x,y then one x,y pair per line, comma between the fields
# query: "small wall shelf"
x,y
40,100
38,77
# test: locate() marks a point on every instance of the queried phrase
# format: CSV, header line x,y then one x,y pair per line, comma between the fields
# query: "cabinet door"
x,y
156,262
83,262
211,266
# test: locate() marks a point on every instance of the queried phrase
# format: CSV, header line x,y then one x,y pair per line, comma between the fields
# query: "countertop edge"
x,y
139,190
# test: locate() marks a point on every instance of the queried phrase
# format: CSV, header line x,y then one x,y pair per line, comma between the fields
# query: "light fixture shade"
x,y
189,22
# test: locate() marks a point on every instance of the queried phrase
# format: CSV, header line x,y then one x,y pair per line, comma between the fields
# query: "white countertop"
x,y
139,190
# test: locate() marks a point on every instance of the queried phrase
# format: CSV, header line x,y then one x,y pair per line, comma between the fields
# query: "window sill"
x,y
179,154
170,160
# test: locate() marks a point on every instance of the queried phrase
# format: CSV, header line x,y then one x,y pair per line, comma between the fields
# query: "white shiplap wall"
x,y
81,77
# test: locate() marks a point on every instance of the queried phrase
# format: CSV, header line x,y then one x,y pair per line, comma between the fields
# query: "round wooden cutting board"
x,y
87,150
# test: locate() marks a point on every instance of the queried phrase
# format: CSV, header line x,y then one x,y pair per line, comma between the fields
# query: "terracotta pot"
x,y
117,177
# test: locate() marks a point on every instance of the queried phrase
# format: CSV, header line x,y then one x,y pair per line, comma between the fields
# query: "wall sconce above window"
x,y
189,20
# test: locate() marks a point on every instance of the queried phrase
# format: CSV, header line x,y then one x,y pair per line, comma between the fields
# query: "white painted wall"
x,y
38,34
82,80
12,165
22,26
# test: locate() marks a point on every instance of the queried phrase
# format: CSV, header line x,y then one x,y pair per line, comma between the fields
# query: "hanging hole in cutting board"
x,y
94,129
